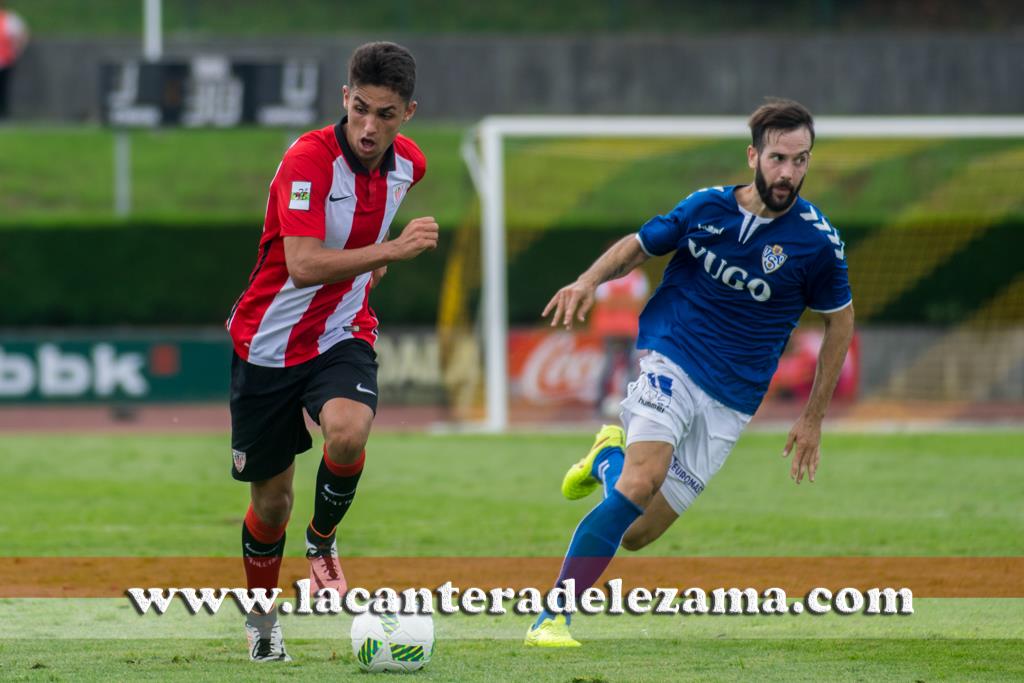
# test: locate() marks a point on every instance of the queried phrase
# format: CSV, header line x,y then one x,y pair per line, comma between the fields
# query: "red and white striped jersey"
x,y
321,190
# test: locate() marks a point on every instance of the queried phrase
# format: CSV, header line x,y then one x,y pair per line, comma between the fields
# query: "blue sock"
x,y
594,543
608,467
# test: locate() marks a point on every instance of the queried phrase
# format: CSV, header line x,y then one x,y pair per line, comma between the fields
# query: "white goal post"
x,y
483,152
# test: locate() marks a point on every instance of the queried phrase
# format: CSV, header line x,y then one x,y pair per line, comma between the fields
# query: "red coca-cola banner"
x,y
554,368
560,369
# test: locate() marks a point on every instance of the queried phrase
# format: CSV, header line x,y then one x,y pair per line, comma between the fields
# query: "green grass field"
x,y
205,176
954,494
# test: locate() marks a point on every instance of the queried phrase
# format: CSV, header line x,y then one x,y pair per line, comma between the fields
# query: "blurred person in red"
x,y
615,318
13,39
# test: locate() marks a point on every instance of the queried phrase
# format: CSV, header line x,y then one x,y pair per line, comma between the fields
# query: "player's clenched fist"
x,y
419,235
575,299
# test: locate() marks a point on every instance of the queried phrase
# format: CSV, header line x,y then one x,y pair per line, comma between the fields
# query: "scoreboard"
x,y
209,91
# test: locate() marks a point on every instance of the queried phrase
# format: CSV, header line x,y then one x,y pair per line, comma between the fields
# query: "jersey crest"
x,y
772,258
399,191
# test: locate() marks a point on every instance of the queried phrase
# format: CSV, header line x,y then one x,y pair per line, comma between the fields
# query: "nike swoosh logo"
x,y
327,489
338,199
257,552
361,388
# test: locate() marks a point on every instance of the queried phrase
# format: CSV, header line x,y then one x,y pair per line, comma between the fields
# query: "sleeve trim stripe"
x,y
831,310
642,245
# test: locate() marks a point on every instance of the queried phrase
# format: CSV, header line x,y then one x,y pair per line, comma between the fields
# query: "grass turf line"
x,y
881,495
613,660
116,619
876,494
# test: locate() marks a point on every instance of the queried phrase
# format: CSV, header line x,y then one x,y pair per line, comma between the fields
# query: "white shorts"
x,y
665,405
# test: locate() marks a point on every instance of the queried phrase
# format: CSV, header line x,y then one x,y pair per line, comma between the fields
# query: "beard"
x,y
766,192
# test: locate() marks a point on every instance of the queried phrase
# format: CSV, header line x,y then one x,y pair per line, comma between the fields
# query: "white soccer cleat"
x,y
266,643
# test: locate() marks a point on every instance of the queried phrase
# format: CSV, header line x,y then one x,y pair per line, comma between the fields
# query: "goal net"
x,y
929,209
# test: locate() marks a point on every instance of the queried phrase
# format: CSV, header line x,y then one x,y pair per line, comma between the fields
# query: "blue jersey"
x,y
735,289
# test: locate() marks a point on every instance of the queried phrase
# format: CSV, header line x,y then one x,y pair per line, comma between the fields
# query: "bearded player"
x,y
303,330
748,260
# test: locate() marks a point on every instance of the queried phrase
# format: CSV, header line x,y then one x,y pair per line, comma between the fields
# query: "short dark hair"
x,y
781,115
384,64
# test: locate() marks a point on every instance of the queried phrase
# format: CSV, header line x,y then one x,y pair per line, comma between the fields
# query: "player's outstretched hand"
x,y
806,437
571,301
418,236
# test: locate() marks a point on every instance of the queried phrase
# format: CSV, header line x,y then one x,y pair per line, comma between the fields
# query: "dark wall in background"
x,y
466,77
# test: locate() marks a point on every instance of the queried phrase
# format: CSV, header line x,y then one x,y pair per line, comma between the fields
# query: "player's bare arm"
x,y
577,298
805,435
311,263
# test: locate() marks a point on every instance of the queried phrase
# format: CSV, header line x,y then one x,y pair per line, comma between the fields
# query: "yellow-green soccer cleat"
x,y
579,482
551,633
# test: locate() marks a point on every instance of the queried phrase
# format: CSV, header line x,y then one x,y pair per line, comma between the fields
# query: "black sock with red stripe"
x,y
262,550
335,490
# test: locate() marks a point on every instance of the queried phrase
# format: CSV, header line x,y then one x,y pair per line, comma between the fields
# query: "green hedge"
x,y
151,274
159,275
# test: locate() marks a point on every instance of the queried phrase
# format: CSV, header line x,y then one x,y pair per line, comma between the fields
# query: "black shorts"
x,y
267,426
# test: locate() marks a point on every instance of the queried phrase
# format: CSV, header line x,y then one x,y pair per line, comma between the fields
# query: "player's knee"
x,y
273,507
635,540
639,487
344,446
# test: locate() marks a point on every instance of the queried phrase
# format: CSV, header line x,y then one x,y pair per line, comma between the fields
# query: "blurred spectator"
x,y
615,320
13,39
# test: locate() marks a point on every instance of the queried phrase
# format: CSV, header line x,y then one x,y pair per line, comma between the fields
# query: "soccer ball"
x,y
392,642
